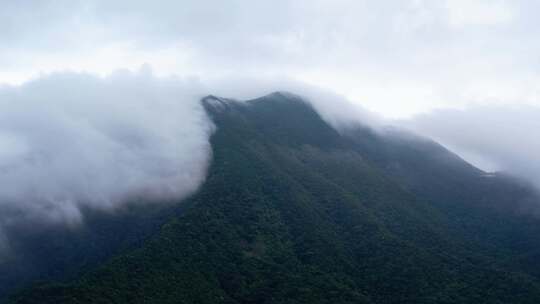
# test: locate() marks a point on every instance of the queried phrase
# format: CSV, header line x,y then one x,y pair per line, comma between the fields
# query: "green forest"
x,y
295,211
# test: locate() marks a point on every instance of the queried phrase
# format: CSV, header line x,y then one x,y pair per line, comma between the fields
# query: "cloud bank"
x,y
69,140
494,138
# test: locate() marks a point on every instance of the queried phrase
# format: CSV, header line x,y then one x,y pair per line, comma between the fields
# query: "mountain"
x,y
295,211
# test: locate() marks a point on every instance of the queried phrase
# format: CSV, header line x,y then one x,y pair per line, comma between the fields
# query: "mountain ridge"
x,y
293,211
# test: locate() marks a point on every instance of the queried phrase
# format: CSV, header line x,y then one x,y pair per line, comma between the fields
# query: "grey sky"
x,y
396,57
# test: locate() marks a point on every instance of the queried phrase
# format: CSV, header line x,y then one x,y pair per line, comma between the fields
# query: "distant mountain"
x,y
294,211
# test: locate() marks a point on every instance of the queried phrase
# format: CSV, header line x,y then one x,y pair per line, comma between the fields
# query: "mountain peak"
x,y
214,104
293,211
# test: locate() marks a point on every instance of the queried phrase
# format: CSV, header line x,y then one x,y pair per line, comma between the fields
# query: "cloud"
x,y
396,57
495,138
479,12
69,140
72,141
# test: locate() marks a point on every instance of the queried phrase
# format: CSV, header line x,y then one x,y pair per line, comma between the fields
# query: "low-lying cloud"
x,y
71,140
495,138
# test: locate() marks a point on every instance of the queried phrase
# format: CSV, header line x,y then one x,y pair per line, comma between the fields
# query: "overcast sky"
x,y
464,72
396,57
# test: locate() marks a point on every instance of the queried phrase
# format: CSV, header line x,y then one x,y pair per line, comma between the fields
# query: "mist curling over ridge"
x,y
76,140
69,140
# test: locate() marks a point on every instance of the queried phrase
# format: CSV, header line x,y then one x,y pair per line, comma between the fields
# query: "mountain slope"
x,y
294,212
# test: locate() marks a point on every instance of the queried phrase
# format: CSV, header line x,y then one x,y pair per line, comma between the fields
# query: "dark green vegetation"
x,y
294,212
43,252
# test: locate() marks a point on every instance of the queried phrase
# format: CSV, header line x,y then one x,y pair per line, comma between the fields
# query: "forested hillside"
x,y
294,211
